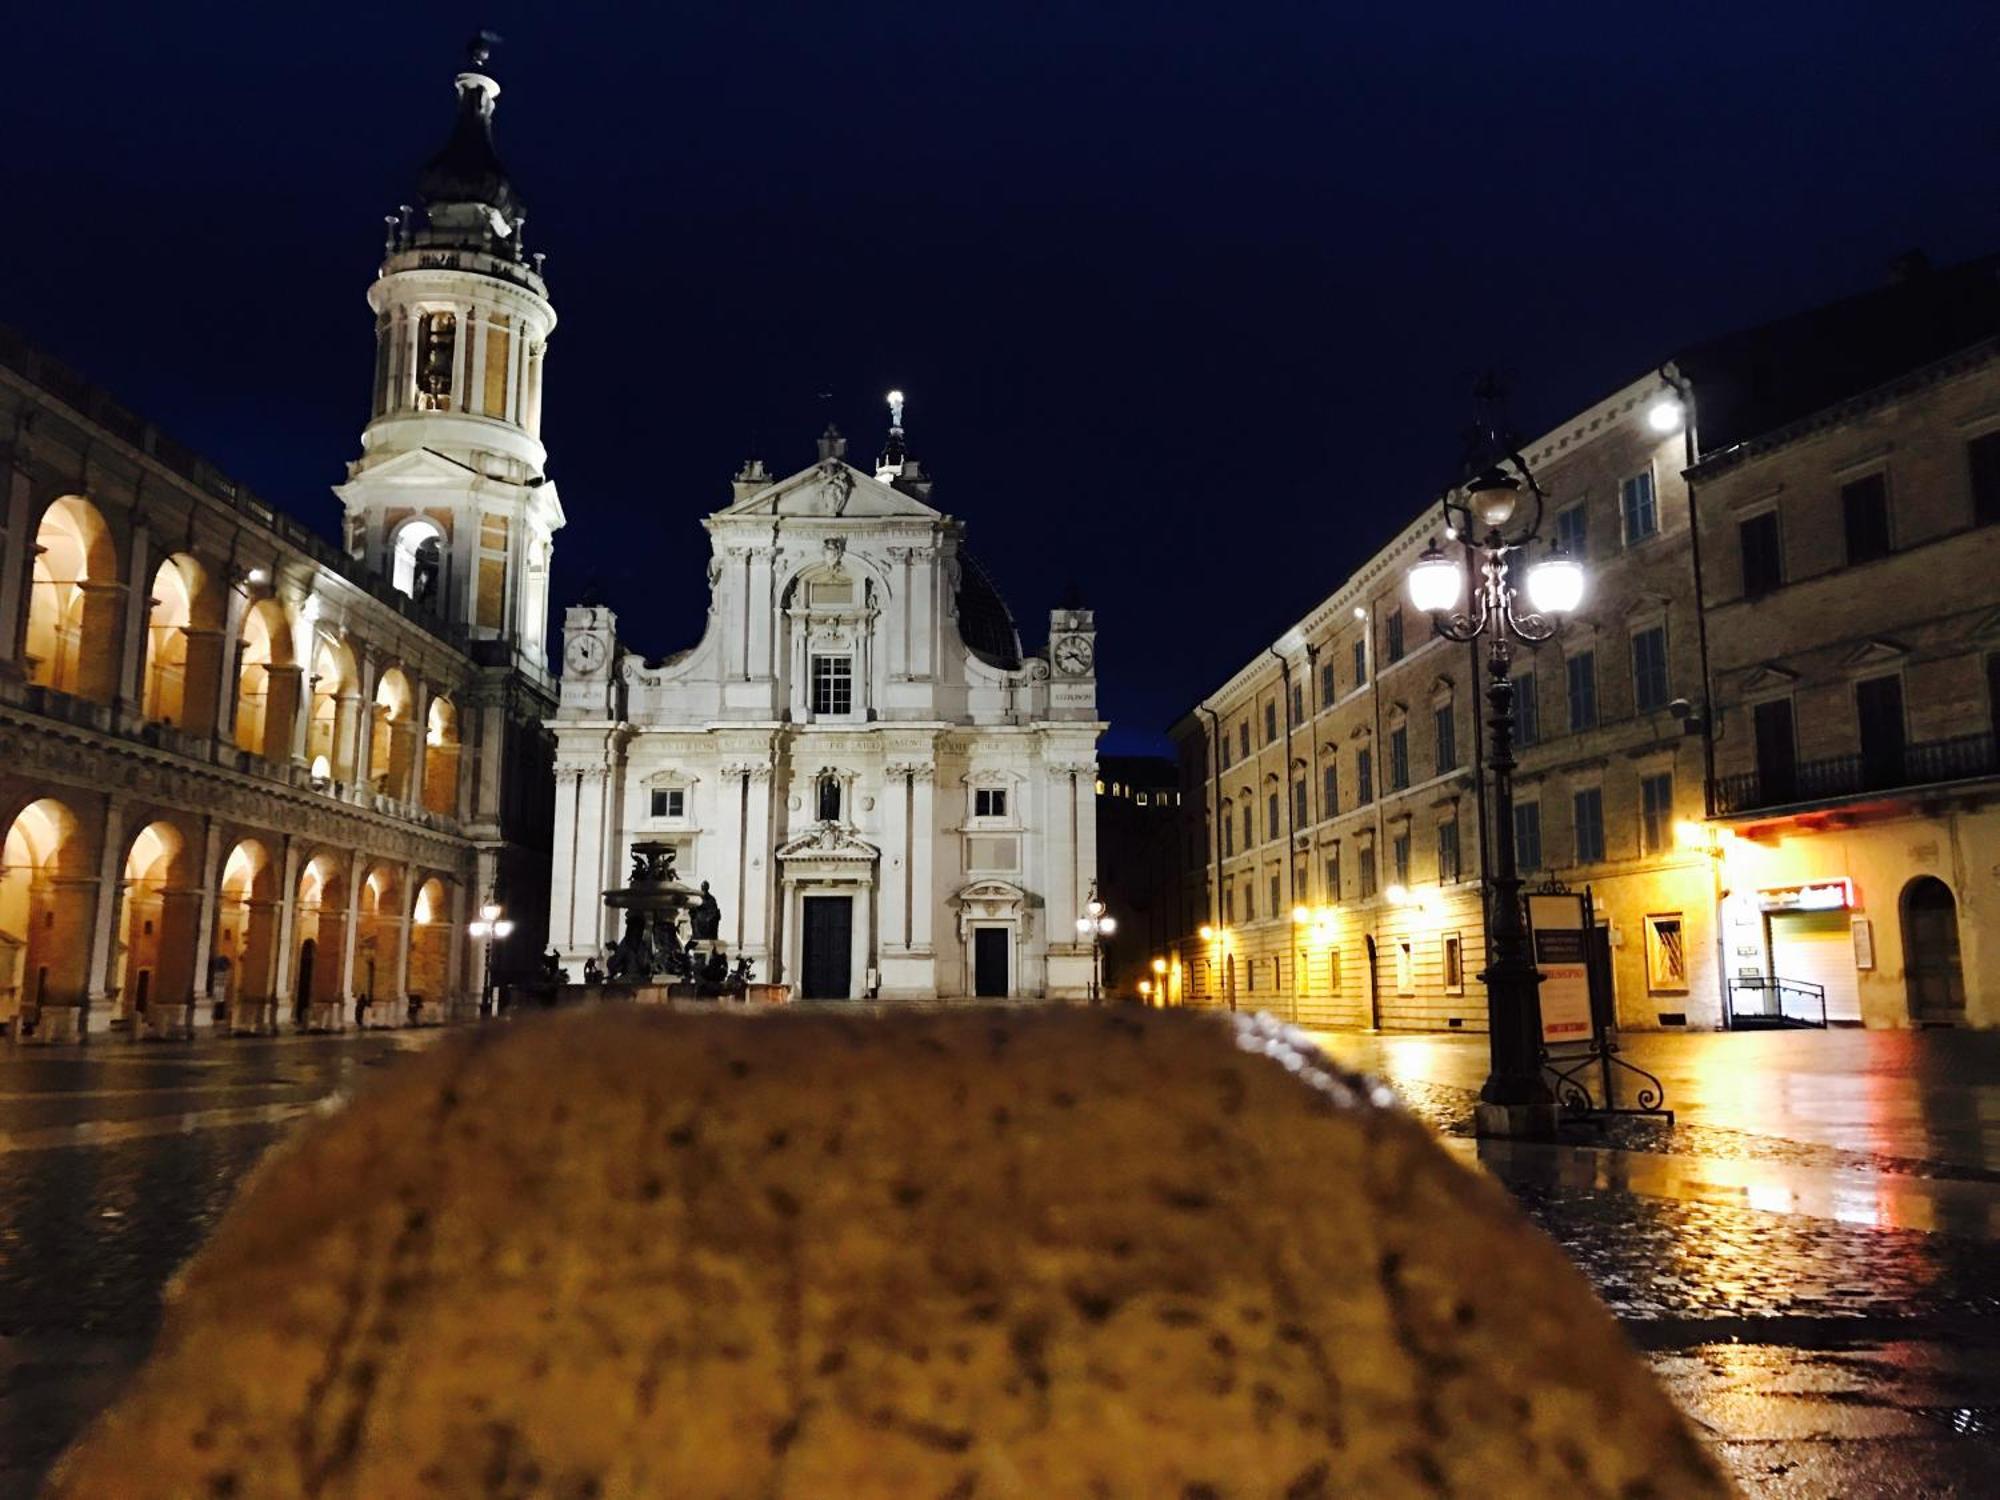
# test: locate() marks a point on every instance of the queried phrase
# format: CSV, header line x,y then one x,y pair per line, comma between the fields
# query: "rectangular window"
x,y
1270,723
1364,777
1367,874
989,802
1298,703
1649,669
1333,970
1399,758
669,802
1329,790
1582,690
1275,905
1453,958
1406,968
1572,533
1249,900
1325,683
1300,815
1447,738
1527,709
1396,633
1229,904
1864,506
1333,877
1666,955
1656,812
1448,852
1228,834
1528,835
1249,832
1589,807
1399,858
1361,661
1763,555
1271,827
1635,502
1983,453
833,684
1243,740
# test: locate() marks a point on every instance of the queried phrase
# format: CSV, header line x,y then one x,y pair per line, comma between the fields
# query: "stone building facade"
x,y
1337,809
884,793
1854,631
247,780
1765,744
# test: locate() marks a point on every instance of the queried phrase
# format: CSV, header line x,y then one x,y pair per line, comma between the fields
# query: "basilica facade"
x,y
885,794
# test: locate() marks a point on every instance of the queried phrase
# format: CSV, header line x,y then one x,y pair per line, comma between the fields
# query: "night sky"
x,y
1187,299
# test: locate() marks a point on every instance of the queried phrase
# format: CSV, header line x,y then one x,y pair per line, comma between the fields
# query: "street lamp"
x,y
1514,1100
1098,925
490,927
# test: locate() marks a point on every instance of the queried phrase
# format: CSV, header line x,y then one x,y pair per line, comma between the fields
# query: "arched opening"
x,y
392,735
332,736
163,691
319,929
46,895
1932,974
378,940
441,752
74,605
430,946
158,919
416,560
244,947
267,683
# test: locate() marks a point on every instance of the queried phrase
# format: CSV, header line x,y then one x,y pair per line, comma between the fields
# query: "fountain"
x,y
651,951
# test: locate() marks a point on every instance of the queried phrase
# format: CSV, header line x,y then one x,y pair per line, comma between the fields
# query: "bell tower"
x,y
450,499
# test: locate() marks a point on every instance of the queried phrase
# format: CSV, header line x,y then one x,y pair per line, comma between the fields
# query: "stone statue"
x,y
630,959
707,917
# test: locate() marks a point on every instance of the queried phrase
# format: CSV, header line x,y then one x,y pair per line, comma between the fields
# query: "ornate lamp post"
x,y
491,927
1514,1100
1098,924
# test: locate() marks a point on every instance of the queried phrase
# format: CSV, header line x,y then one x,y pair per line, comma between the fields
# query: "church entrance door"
x,y
829,947
989,961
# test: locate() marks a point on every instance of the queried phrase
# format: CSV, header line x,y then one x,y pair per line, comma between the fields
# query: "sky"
x,y
1187,299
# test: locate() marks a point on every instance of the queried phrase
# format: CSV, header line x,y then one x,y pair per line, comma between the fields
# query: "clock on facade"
x,y
1073,655
585,653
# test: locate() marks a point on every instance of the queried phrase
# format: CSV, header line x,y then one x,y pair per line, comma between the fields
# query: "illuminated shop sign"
x,y
1817,895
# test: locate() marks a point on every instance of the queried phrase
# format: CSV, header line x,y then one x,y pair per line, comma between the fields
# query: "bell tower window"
x,y
437,347
417,561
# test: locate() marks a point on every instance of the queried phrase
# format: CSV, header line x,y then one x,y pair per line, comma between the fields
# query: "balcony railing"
x,y
1933,762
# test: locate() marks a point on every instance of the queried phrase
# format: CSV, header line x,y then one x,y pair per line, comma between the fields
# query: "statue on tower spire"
x,y
480,47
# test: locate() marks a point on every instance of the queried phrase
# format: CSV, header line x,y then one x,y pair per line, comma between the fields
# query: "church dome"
x,y
983,618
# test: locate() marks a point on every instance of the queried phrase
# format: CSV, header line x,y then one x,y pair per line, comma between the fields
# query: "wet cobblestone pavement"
x,y
1824,1304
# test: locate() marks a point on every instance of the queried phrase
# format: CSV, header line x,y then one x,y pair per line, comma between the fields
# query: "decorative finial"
x,y
481,47
896,410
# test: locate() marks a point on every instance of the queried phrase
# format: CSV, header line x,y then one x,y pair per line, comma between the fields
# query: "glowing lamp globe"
x,y
1492,497
1665,415
1435,581
1555,585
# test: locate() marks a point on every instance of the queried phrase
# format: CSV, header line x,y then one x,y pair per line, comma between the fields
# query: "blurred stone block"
x,y
1023,1253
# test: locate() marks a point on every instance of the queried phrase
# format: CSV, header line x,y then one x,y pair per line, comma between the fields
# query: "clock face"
x,y
1073,655
585,653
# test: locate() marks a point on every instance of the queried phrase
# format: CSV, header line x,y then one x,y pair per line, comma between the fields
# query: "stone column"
x,y
898,798
760,873
350,933
923,875
14,578
204,933
400,990
96,1009
354,734
573,926
229,666
457,955
420,713
131,660
288,907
